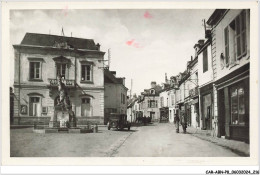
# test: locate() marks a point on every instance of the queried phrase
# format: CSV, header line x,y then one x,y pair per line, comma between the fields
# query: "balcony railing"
x,y
194,92
67,82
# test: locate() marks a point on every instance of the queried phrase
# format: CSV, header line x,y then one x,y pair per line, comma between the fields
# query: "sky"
x,y
144,44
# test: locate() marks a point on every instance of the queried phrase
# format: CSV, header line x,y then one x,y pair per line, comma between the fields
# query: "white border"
x,y
252,160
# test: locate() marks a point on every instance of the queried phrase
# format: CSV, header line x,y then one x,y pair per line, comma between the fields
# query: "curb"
x,y
237,151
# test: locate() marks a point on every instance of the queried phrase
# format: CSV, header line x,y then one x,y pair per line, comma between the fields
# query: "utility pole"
x,y
109,58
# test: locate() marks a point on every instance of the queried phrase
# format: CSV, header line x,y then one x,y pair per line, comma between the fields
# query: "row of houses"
x,y
213,90
94,90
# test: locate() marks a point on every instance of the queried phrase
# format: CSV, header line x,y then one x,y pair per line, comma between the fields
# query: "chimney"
x,y
153,84
98,46
166,79
201,42
197,46
191,58
123,79
113,72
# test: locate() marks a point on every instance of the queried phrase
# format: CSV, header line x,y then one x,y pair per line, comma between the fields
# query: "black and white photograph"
x,y
131,82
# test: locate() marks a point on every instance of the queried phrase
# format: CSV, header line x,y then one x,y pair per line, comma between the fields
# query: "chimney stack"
x,y
197,46
98,46
153,84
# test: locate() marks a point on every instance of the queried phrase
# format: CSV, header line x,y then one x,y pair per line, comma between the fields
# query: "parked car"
x,y
118,121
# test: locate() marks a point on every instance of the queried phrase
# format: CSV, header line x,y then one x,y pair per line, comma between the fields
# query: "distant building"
x,y
115,94
205,76
132,108
164,101
149,102
191,93
231,67
39,59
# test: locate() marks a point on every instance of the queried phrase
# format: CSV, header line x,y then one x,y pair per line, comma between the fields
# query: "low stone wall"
x,y
90,120
81,121
31,120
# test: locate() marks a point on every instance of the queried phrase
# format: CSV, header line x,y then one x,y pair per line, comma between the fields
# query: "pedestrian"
x,y
177,122
183,121
144,120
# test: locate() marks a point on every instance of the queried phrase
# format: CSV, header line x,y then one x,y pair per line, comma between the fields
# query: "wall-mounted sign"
x,y
23,109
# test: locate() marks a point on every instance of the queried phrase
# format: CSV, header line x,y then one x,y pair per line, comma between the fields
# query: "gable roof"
x,y
36,39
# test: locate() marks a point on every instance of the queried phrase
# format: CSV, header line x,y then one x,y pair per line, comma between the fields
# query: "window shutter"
x,y
238,36
31,70
82,72
226,35
243,31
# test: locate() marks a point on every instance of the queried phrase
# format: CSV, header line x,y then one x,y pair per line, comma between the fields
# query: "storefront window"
x,y
237,105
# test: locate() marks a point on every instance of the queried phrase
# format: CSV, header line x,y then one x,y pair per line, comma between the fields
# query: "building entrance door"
x,y
35,107
85,107
152,115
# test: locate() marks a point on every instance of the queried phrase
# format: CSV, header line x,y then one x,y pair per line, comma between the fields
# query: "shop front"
x,y
233,105
164,115
206,99
194,107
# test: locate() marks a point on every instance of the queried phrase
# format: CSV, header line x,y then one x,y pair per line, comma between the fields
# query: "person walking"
x,y
183,121
144,120
177,122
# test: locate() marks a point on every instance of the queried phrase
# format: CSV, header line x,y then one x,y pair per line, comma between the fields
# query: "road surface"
x,y
155,140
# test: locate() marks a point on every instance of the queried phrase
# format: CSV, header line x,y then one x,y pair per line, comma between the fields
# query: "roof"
x,y
36,39
157,89
216,16
110,78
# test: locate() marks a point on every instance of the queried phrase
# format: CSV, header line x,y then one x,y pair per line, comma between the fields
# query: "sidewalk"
x,y
239,147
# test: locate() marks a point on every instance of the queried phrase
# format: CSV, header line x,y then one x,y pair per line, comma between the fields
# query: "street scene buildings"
x,y
210,94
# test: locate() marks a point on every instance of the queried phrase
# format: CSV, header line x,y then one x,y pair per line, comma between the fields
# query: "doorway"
x,y
85,107
35,107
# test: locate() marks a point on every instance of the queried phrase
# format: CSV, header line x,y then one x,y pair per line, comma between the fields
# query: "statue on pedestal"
x,y
63,109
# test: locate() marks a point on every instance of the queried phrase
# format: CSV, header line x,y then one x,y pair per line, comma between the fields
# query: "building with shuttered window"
x,y
231,67
39,59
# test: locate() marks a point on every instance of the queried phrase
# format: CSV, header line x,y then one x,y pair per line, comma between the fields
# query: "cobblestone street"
x,y
139,142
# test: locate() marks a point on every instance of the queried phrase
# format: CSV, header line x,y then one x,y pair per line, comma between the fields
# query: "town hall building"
x,y
39,59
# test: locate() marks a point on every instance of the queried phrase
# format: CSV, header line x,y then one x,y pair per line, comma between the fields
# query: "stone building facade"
x,y
39,59
115,94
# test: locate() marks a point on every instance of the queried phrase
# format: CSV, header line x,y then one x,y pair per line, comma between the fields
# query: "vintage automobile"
x,y
118,121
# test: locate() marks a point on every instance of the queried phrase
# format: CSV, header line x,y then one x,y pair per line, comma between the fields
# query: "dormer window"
x,y
152,91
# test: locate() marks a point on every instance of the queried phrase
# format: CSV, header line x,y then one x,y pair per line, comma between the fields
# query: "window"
x,y
235,39
85,100
122,98
61,70
44,110
172,98
205,60
86,73
35,70
237,105
152,103
162,102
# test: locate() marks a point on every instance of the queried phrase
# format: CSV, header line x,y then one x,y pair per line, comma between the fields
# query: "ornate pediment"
x,y
61,59
62,45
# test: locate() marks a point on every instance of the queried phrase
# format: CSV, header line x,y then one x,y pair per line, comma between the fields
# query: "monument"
x,y
63,116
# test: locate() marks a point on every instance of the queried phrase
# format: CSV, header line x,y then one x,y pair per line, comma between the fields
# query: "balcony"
x,y
194,92
68,83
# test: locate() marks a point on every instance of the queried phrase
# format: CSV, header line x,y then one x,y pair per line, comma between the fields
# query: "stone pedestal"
x,y
63,118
